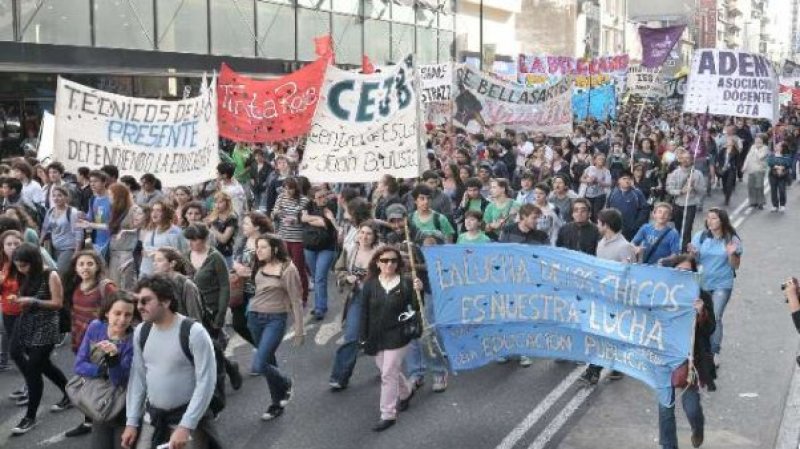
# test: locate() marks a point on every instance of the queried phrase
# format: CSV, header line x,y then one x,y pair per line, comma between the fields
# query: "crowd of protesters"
x,y
87,255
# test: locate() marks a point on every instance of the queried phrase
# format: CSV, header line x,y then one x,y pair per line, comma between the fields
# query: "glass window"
x,y
316,4
377,9
426,45
402,13
347,6
55,22
275,31
378,41
402,41
446,21
124,24
426,17
6,21
182,26
445,46
311,24
232,28
347,38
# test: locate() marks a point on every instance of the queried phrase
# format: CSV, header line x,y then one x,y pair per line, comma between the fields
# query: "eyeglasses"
x,y
390,260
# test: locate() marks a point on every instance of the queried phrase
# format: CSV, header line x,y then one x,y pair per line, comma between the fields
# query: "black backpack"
x,y
218,399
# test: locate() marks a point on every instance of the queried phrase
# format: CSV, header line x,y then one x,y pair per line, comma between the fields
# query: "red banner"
x,y
795,93
253,110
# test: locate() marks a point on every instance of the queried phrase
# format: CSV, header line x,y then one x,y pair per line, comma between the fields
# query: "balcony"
x,y
732,6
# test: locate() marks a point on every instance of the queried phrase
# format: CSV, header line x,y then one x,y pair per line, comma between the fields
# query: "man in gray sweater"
x,y
168,393
686,194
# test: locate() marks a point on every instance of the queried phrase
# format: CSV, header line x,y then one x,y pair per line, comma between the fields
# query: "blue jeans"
x,y
267,330
667,428
319,265
347,353
720,299
418,357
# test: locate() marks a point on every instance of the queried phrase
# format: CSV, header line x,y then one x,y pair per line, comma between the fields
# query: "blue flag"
x,y
598,102
497,300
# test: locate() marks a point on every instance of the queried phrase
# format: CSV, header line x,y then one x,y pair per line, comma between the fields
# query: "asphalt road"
x,y
506,406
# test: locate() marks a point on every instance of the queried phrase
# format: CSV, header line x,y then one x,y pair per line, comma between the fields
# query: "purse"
x,y
237,291
680,377
96,397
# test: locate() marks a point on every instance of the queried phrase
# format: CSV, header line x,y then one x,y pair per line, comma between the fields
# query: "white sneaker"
x,y
781,208
774,209
525,361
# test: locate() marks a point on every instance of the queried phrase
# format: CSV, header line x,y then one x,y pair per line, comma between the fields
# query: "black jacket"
x,y
380,326
703,357
511,233
579,237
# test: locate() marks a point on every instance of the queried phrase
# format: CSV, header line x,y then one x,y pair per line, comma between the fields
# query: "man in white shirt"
x,y
32,193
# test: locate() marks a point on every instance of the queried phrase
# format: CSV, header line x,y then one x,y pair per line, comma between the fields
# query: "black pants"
x,y
677,217
728,184
777,189
239,319
34,362
598,203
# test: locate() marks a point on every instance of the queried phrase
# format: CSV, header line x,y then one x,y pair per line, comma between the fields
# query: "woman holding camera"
x,y
351,270
718,249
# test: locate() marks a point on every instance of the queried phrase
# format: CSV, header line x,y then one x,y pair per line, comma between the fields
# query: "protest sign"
x,y
498,300
645,82
365,127
490,102
789,94
676,87
46,136
732,82
540,69
436,82
657,43
599,102
177,141
253,110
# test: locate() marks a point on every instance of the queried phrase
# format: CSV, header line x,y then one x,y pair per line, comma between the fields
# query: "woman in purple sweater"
x,y
107,351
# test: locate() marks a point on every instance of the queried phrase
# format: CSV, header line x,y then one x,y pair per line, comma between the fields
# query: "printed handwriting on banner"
x,y
645,82
730,82
365,127
266,111
484,101
498,300
436,82
174,140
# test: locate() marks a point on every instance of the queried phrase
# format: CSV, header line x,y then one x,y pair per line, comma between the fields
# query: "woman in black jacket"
x,y
388,298
703,363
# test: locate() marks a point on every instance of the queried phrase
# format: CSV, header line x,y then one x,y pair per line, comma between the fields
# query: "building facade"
x,y
160,48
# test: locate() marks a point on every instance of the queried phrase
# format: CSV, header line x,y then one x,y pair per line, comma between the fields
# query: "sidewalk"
x,y
757,364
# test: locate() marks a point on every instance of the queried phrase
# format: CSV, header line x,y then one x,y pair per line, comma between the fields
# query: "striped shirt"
x,y
287,217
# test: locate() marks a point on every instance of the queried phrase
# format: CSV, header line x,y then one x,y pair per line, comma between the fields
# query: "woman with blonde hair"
x,y
222,224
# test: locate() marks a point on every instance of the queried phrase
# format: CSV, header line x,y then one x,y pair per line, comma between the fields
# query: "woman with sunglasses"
x,y
387,297
321,255
718,249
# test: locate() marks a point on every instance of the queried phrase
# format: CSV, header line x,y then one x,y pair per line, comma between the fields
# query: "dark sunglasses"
x,y
390,260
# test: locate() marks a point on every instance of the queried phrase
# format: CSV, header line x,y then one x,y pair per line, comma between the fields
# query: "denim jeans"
x,y
668,429
419,358
319,265
267,329
720,299
347,353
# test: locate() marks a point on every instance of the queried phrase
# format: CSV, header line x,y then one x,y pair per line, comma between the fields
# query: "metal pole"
x,y
480,34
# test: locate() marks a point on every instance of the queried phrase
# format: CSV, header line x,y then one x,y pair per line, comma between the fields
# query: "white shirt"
x,y
32,193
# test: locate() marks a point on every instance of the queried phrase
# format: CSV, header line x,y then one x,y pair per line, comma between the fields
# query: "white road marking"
x,y
308,328
536,414
53,440
328,331
543,439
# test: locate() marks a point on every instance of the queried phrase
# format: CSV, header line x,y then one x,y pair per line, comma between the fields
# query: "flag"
x,y
657,43
323,46
366,65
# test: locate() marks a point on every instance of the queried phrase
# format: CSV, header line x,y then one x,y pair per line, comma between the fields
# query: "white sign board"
x,y
177,141
435,82
45,150
365,126
645,82
733,83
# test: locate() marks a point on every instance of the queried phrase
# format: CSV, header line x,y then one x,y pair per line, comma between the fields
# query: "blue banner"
x,y
497,300
598,102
